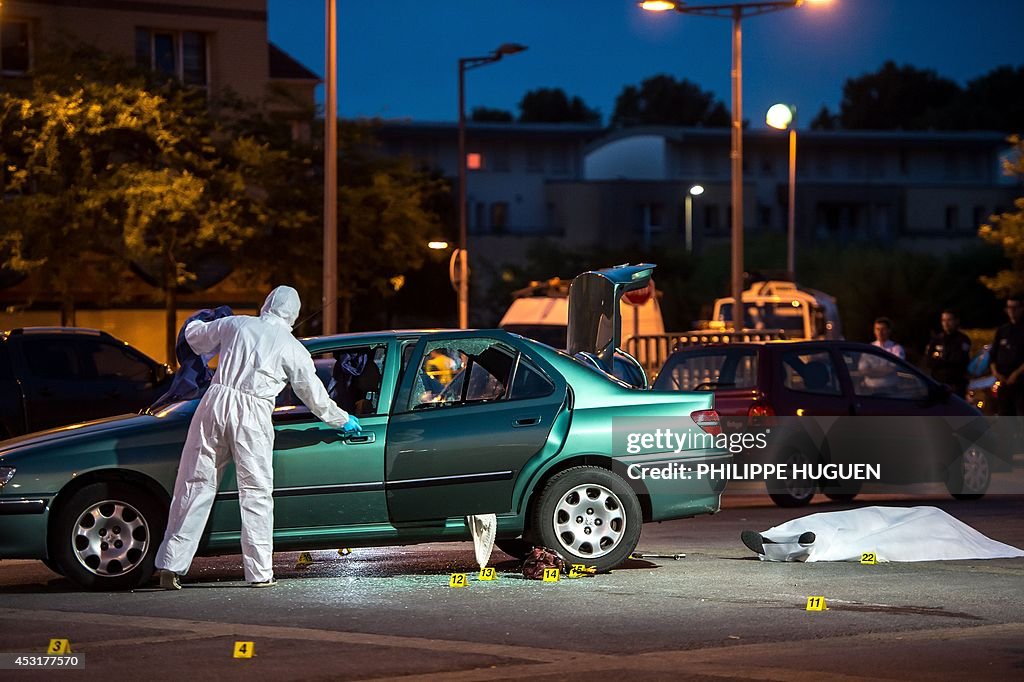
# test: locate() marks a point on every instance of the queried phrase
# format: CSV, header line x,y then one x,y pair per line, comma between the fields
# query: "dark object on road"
x,y
800,387
53,376
648,555
539,559
755,542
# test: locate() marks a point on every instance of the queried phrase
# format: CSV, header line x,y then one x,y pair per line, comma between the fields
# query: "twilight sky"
x,y
397,58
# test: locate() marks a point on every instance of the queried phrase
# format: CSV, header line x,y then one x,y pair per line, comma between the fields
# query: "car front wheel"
x,y
589,516
106,535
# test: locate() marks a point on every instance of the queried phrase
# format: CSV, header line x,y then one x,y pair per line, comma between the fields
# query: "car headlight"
x,y
6,474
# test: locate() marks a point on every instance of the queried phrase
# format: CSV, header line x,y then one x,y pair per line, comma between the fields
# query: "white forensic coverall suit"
x,y
258,356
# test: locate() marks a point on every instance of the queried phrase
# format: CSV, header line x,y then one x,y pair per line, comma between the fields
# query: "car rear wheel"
x,y
970,475
793,492
106,535
589,516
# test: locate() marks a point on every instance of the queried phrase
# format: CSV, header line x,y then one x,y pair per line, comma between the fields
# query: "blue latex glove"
x,y
352,425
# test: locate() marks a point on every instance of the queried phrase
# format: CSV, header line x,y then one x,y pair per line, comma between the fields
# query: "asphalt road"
x,y
718,613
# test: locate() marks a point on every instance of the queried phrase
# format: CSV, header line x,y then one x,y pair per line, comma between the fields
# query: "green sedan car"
x,y
454,424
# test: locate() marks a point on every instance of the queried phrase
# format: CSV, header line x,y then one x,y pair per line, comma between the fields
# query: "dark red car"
x,y
754,383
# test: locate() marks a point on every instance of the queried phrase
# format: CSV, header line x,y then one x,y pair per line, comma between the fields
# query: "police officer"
x,y
1008,359
948,354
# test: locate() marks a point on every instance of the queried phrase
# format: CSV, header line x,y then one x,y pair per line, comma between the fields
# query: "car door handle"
x,y
526,421
360,439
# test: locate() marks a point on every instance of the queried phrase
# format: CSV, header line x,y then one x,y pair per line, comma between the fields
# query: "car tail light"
x,y
708,421
760,410
995,390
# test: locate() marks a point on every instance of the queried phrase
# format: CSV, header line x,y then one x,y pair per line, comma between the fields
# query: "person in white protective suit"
x,y
890,533
258,356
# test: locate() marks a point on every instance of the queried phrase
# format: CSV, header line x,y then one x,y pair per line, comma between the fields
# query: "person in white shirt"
x,y
879,375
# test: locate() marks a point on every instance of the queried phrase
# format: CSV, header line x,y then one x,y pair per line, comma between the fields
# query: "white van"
x,y
803,314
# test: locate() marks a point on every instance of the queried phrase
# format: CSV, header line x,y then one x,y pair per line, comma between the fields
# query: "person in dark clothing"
x,y
948,354
1008,359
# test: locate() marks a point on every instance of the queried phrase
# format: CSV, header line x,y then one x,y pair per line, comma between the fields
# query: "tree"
x,y
662,100
1006,230
489,115
898,98
552,105
109,166
825,120
994,101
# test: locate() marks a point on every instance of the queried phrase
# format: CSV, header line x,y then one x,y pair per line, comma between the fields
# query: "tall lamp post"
x,y
330,273
736,11
694,191
462,255
780,117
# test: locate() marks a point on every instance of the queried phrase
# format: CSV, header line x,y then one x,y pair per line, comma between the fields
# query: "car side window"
x,y
53,359
462,372
351,376
878,376
704,371
810,372
530,381
113,362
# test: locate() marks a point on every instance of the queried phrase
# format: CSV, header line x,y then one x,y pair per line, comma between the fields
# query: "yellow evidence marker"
x,y
551,575
59,647
487,573
458,580
244,650
582,570
816,604
344,551
869,558
305,559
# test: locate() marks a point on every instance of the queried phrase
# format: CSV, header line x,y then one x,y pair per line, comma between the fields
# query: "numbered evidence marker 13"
x,y
551,575
816,604
487,573
458,580
244,650
868,558
59,647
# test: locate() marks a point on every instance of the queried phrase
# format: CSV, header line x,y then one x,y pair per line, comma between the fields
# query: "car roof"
x,y
790,345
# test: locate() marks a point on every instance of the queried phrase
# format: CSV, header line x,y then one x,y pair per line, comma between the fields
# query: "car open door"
x,y
472,409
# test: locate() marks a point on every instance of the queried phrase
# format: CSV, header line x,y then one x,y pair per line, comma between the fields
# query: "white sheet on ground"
x,y
892,533
483,528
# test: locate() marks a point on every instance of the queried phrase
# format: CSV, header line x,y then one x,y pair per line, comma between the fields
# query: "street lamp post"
x,y
465,64
736,11
694,191
780,117
330,272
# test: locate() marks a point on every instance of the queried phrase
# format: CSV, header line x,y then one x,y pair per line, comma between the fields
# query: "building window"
x,y
474,161
500,158
952,217
181,54
535,159
559,161
980,216
14,47
499,217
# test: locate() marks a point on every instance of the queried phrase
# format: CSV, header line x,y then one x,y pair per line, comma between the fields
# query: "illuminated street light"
x,y
437,246
695,191
736,11
780,117
462,255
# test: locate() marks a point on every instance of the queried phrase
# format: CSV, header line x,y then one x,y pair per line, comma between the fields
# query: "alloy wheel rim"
x,y
975,471
803,488
589,520
110,538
